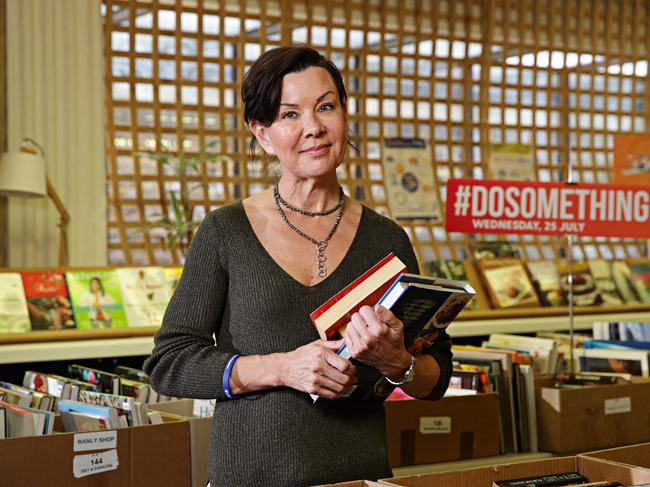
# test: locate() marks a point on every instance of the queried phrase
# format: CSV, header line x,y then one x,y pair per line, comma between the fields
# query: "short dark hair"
x,y
262,86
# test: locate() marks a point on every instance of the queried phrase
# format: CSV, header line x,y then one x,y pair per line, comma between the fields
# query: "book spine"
x,y
336,298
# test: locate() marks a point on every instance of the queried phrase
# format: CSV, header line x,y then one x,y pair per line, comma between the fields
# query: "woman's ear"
x,y
261,134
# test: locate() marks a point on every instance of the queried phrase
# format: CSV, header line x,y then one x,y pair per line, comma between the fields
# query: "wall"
x,y
55,96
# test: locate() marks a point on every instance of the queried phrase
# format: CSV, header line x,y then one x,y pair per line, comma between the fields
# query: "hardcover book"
x,y
145,295
105,381
96,299
508,283
495,250
425,305
172,276
335,313
48,300
641,275
14,317
449,269
546,280
585,292
602,273
624,280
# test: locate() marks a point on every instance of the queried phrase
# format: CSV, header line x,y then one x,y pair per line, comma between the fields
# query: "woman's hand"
x,y
376,338
317,369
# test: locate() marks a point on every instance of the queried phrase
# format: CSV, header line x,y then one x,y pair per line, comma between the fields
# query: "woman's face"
x,y
308,135
94,285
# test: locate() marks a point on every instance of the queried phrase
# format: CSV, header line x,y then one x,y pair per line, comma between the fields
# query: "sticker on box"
x,y
97,440
94,463
618,405
435,425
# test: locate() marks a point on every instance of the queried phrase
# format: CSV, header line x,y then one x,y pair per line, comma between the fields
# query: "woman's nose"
x,y
313,126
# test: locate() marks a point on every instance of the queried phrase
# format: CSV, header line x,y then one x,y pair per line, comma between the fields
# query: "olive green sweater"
x,y
233,290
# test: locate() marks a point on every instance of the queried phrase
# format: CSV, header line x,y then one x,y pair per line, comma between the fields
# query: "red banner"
x,y
495,206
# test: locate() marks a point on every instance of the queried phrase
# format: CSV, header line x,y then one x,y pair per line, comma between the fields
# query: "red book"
x,y
48,300
367,289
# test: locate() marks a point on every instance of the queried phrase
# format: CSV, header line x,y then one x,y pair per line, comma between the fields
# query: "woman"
x,y
255,271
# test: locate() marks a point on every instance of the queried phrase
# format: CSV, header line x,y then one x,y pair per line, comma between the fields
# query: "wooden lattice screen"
x,y
560,75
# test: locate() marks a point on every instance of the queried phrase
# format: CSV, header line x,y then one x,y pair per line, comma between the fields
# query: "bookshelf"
x,y
45,346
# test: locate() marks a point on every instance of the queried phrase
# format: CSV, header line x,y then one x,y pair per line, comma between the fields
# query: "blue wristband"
x,y
226,377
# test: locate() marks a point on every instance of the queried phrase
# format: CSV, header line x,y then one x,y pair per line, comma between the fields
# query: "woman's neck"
x,y
310,194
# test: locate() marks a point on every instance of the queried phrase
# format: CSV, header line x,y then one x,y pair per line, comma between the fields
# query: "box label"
x,y
84,465
435,425
97,440
618,405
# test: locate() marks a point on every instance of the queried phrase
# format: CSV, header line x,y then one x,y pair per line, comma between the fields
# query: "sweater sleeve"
x,y
185,361
441,349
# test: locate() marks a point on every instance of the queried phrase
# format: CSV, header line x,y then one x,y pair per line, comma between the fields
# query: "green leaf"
x,y
178,211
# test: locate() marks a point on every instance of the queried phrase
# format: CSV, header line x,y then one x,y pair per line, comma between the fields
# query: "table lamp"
x,y
23,175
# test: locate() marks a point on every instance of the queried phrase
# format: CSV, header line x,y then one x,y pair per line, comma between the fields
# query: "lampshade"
x,y
22,174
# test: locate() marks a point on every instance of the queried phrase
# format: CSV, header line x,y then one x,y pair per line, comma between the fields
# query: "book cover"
x,y
14,315
495,250
458,272
408,177
631,159
634,362
508,283
367,289
546,280
512,161
48,300
641,275
172,276
125,406
18,422
105,381
602,273
585,292
96,299
624,280
145,294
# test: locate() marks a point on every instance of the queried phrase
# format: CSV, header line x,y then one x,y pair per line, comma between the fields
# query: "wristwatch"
x,y
409,375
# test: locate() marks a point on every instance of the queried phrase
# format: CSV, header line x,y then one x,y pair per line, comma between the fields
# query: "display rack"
x,y
42,346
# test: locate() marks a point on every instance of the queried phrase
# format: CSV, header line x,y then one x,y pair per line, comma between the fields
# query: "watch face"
x,y
382,388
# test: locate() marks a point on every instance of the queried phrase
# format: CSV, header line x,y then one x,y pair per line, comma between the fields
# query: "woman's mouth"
x,y
317,150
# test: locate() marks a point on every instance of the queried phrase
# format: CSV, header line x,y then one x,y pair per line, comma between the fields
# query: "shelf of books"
x,y
58,314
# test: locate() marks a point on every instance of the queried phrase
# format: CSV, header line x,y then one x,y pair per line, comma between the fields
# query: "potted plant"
x,y
176,219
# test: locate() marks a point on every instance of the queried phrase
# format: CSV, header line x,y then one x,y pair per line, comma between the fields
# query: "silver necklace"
x,y
321,245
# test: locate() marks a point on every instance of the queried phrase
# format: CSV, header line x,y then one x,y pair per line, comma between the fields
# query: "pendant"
x,y
322,268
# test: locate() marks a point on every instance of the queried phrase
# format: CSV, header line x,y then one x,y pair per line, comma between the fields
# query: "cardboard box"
x,y
148,456
356,483
454,428
633,456
590,418
199,436
593,469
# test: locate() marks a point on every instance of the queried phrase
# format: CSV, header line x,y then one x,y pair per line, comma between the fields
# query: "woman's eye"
x,y
326,107
289,115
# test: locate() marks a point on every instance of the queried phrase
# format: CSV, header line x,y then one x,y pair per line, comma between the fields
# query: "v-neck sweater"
x,y
232,289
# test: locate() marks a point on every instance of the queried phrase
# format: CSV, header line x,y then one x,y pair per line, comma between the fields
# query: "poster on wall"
x,y
631,159
512,161
408,176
